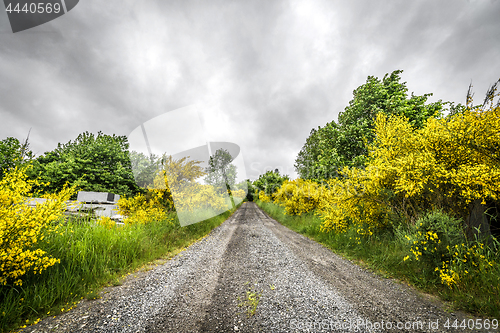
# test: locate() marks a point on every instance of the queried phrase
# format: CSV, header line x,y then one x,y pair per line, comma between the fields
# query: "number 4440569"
x,y
33,8
472,324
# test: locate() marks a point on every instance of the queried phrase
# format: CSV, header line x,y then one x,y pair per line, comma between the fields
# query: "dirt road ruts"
x,y
296,284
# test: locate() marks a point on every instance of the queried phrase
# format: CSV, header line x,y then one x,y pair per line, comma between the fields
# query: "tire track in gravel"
x,y
375,299
256,259
303,287
180,288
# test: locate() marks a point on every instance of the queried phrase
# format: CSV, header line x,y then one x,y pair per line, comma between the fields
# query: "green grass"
x,y
478,292
251,300
91,258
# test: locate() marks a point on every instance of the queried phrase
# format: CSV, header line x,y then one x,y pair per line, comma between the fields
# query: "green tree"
x,y
250,190
220,172
92,162
13,153
270,182
320,153
144,168
345,143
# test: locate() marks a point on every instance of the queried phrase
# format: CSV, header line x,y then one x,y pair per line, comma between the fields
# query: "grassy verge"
x,y
478,291
93,256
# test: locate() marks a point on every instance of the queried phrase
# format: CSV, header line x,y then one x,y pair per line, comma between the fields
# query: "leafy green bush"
x,y
98,163
431,237
269,182
13,153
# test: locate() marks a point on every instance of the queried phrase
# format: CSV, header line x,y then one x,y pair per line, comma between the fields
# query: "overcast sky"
x,y
261,74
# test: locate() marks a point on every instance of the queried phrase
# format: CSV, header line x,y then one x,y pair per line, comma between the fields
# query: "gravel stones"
x,y
251,260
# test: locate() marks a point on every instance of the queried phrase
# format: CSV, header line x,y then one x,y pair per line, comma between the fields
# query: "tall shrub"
x,y
98,163
22,227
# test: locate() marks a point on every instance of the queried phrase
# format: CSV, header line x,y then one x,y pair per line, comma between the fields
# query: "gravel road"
x,y
214,285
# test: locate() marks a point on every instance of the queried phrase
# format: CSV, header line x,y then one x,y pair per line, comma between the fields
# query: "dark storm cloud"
x,y
442,46
264,73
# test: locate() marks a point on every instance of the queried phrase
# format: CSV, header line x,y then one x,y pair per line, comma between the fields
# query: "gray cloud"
x,y
267,71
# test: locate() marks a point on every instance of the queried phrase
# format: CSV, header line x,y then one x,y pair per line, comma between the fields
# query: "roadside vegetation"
x,y
477,292
49,260
410,189
91,256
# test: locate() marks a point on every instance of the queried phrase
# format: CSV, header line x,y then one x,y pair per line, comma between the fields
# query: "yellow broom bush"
x,y
446,165
173,185
263,197
194,196
354,199
22,227
106,222
299,196
142,209
239,193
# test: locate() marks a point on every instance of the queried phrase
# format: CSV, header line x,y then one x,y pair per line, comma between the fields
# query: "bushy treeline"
x,y
336,145
96,163
394,158
90,162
